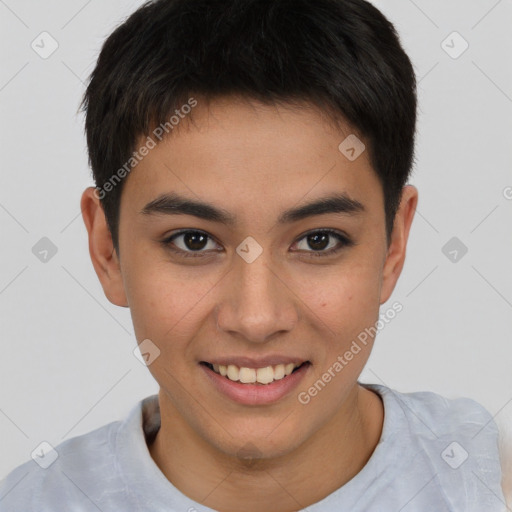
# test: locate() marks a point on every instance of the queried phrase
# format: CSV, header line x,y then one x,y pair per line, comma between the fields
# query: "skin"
x,y
254,161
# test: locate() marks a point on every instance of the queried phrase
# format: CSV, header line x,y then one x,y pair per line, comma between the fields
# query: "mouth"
x,y
255,376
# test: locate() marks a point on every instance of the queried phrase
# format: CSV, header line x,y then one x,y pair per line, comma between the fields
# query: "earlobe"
x,y
101,248
395,257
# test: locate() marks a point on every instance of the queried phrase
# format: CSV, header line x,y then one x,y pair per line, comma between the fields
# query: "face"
x,y
256,279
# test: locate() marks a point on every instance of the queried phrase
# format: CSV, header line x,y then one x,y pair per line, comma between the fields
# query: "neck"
x,y
323,463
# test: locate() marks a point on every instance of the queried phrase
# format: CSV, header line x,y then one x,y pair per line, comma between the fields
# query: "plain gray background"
x,y
68,365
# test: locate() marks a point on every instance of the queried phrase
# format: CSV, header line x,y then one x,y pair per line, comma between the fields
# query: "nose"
x,y
257,303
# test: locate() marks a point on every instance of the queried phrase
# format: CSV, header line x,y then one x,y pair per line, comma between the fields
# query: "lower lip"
x,y
256,394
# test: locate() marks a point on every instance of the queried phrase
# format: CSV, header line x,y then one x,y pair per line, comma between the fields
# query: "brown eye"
x,y
320,240
189,242
194,243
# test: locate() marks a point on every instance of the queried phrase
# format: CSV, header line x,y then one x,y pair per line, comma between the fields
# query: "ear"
x,y
395,257
101,248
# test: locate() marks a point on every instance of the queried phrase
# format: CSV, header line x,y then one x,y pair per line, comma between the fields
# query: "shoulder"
x,y
62,475
456,440
445,415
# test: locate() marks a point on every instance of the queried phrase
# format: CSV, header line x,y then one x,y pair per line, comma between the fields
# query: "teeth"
x,y
247,375
233,372
279,372
251,375
265,375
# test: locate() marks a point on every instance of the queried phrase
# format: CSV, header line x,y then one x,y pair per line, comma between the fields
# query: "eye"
x,y
318,241
192,243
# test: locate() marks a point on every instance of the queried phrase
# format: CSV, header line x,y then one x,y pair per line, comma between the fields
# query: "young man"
x,y
251,209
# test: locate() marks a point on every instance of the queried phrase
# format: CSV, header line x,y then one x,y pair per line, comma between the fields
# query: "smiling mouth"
x,y
262,376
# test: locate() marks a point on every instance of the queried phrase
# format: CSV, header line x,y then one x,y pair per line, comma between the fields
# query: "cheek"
x,y
345,299
167,309
163,301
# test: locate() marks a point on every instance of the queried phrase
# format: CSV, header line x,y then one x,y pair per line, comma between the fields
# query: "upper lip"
x,y
253,362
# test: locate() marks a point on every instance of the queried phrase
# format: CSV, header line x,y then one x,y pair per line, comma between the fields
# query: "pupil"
x,y
191,240
197,241
315,237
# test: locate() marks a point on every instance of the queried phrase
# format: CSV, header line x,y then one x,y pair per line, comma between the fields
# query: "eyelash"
x,y
343,239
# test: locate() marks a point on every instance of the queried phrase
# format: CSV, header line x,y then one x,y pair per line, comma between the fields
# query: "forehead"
x,y
247,156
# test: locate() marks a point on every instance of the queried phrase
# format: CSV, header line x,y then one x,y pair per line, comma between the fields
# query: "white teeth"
x,y
251,375
279,372
247,375
265,375
233,372
289,368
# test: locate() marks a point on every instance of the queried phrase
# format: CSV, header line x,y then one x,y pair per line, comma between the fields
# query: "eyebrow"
x,y
175,204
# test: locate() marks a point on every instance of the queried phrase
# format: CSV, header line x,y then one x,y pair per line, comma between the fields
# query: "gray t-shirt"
x,y
435,455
